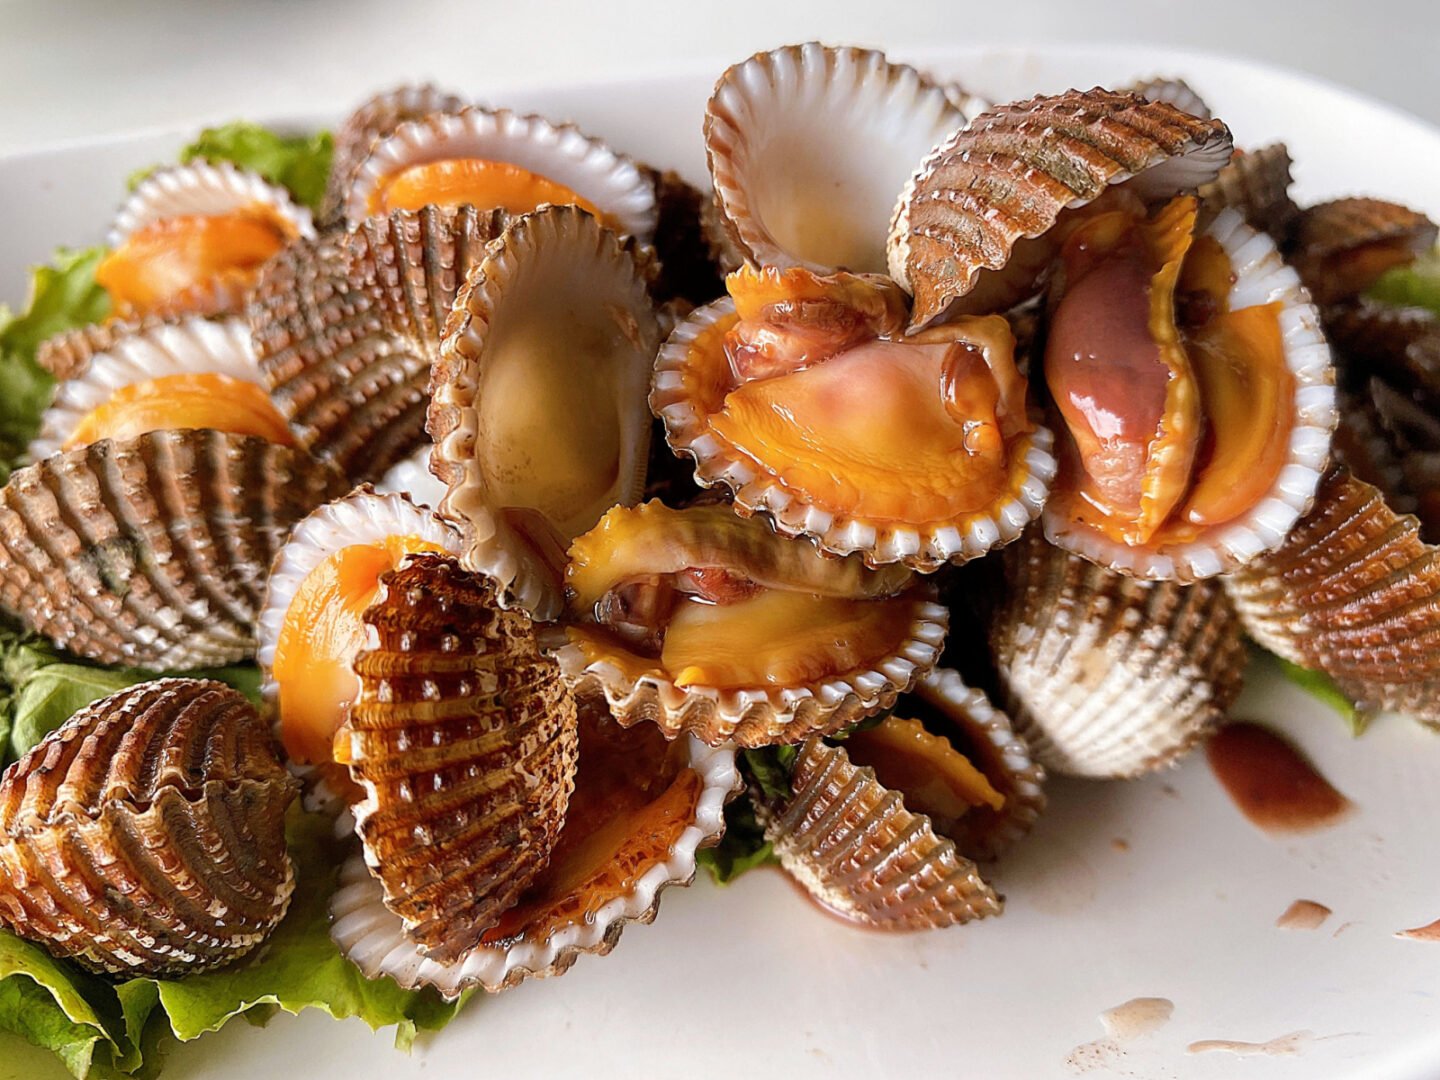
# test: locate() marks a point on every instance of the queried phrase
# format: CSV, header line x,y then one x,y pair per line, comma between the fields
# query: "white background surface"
x,y
751,980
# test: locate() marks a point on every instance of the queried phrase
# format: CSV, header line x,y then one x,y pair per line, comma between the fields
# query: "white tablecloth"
x,y
76,68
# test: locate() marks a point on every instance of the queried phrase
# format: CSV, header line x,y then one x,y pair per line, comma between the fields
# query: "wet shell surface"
x,y
465,740
1353,592
346,330
1106,676
146,835
187,345
1340,247
1256,183
967,210
967,717
375,119
677,398
153,551
807,146
538,399
562,153
855,848
1261,277
536,944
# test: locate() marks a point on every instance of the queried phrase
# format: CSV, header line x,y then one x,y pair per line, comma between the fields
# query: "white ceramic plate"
x,y
752,980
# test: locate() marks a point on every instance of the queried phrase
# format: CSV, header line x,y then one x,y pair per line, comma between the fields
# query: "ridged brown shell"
x,y
1172,91
1354,592
1007,176
1327,234
375,119
68,355
146,835
1257,184
465,740
346,330
1105,675
153,551
852,844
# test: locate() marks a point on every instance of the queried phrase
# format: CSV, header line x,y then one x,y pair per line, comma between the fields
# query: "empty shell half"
x,y
1104,675
708,623
972,228
538,412
146,835
807,146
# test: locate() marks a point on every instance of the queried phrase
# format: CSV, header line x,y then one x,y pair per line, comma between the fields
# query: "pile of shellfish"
x,y
938,446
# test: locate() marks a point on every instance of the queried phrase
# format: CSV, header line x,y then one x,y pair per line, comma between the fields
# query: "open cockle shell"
x,y
1260,277
534,942
203,189
1256,183
346,330
852,844
764,715
189,345
68,354
677,398
1104,675
146,835
986,736
1355,593
538,410
958,236
807,146
153,551
464,739
375,119
562,153
1340,247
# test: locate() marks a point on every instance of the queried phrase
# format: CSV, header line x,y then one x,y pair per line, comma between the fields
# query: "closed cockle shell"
x,y
807,146
1354,592
641,809
183,346
958,238
146,835
859,852
1257,184
375,119
153,551
464,738
346,330
1335,243
1104,675
561,153
538,405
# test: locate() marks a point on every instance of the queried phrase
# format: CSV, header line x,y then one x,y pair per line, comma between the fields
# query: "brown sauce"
x,y
1428,932
633,798
1271,782
1303,915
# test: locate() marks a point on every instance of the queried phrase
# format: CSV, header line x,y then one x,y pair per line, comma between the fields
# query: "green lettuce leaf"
x,y
298,162
1416,285
1323,689
63,296
742,848
104,1030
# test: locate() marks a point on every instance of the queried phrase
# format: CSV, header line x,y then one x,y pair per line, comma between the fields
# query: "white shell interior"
x,y
413,477
559,152
374,938
1262,277
202,188
808,146
186,346
553,412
